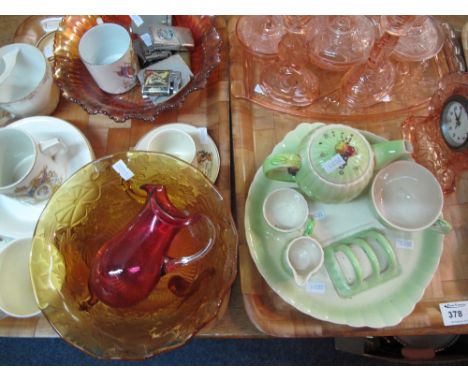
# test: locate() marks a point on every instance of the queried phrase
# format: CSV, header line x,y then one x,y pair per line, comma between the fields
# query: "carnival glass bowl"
x,y
78,86
90,208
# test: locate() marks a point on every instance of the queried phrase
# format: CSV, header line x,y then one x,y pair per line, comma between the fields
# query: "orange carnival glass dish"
x,y
92,208
78,86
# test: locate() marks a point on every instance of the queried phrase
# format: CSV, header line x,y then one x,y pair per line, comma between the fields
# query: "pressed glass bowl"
x,y
88,210
78,86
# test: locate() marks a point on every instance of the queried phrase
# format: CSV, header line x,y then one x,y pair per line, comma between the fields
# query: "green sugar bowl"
x,y
334,163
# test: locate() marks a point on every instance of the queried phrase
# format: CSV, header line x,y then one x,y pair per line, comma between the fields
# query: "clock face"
x,y
454,122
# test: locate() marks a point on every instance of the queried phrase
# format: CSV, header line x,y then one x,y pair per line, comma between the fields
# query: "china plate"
x,y
19,219
207,158
384,305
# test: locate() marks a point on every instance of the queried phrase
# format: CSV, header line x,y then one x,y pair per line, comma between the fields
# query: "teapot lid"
x,y
339,154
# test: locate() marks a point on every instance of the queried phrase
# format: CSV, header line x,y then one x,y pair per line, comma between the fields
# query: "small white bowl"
x,y
16,292
406,196
286,210
174,142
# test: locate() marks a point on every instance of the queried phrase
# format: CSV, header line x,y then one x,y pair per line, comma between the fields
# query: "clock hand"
x,y
457,116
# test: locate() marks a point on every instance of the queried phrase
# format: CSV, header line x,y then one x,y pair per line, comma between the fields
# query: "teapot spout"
x,y
389,151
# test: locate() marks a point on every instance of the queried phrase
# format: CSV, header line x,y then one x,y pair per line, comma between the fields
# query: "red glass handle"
x,y
171,264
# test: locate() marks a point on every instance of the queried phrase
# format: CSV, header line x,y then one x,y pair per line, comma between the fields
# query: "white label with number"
x,y
454,313
121,168
316,287
146,39
404,244
51,25
333,163
319,214
137,20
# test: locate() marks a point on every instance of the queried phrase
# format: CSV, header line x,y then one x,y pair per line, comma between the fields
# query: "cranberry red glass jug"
x,y
129,265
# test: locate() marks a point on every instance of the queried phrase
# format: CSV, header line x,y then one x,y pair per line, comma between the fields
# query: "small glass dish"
x,y
89,209
77,85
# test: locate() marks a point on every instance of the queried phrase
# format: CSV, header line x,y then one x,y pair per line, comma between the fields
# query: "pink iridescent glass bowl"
x,y
78,86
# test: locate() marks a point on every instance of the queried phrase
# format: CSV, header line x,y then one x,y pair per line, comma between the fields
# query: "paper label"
x,y
319,214
48,50
121,168
404,244
332,164
51,25
316,287
454,313
203,135
137,20
146,39
258,89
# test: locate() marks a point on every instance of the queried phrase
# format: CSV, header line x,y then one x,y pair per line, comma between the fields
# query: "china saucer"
x,y
19,219
207,159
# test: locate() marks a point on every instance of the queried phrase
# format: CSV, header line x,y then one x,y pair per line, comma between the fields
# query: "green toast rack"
x,y
375,249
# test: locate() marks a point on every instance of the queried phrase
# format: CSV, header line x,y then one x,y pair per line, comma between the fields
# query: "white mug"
x,y
28,170
107,52
26,84
16,291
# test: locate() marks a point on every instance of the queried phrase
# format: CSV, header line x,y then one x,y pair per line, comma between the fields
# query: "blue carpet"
x,y
53,351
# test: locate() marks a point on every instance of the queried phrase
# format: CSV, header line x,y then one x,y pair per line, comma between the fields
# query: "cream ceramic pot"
x,y
26,84
334,163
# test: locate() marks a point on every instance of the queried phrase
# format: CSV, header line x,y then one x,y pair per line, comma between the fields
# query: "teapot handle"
x,y
283,167
172,264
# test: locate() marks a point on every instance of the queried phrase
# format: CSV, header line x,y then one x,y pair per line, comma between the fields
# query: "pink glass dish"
x,y
77,85
414,86
430,149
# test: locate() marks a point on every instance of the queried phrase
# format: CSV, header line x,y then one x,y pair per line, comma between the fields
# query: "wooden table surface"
x,y
235,322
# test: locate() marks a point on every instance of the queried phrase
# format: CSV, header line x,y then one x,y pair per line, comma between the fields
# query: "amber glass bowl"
x,y
88,210
78,86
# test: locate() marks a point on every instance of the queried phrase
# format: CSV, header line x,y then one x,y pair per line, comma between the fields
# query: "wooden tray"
x,y
256,131
208,107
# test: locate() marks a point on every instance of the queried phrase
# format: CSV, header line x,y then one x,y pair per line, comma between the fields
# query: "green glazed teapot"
x,y
333,163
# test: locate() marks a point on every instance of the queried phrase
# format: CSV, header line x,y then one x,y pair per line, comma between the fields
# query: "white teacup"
x,y
107,52
407,197
174,142
26,84
16,291
28,170
286,210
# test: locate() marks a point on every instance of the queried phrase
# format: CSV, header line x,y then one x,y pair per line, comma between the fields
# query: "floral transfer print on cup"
x,y
204,160
42,186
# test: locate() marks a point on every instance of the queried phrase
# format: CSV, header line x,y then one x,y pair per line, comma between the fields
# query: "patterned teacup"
x,y
107,52
28,169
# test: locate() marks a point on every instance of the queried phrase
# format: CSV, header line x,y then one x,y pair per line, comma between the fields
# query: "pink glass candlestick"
x,y
371,82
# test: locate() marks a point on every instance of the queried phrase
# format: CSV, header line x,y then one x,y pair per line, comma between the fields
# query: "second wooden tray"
x,y
256,131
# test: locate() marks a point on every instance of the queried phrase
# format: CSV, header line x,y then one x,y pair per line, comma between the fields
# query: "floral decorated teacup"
x,y
28,170
107,52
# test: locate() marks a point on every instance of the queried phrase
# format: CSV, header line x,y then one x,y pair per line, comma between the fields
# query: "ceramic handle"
x,y
441,226
52,146
171,264
282,167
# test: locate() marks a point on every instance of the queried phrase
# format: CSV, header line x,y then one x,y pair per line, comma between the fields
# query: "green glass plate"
x,y
381,306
